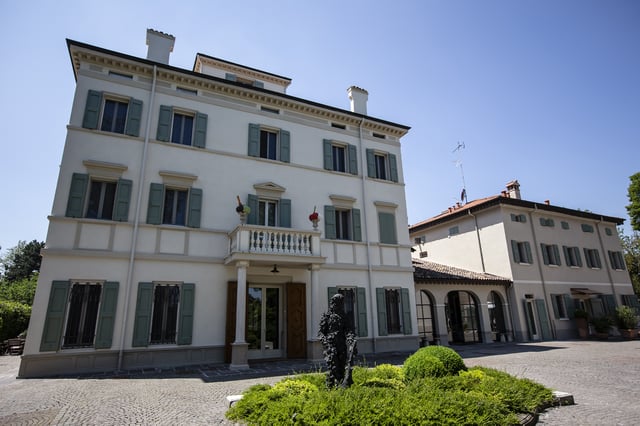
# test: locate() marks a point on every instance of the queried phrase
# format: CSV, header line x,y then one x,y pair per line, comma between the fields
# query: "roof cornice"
x,y
82,52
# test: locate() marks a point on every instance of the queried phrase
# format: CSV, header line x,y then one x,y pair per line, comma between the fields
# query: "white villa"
x,y
147,262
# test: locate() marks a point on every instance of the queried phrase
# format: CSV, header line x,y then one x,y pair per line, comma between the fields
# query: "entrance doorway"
x,y
496,317
264,321
463,320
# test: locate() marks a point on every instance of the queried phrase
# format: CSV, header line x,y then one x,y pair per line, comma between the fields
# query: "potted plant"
x,y
627,321
242,210
581,316
314,218
601,325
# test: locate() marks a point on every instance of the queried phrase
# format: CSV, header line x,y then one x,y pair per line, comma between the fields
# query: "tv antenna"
x,y
463,193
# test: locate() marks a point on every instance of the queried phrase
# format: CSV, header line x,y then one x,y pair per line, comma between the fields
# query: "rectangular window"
x,y
112,113
564,225
382,165
268,144
454,230
350,308
547,222
343,224
175,206
164,320
550,254
114,116
572,256
392,302
518,218
521,252
559,306
82,316
273,144
182,129
617,260
340,157
101,200
355,307
586,228
592,256
267,213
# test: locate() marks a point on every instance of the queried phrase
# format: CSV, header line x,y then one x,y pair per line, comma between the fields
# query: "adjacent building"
x,y
183,227
554,259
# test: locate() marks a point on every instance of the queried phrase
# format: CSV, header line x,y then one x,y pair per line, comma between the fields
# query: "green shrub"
x,y
451,359
388,371
420,365
377,382
14,318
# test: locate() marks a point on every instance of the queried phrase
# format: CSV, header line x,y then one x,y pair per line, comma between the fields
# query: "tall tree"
x,y
634,199
22,261
631,248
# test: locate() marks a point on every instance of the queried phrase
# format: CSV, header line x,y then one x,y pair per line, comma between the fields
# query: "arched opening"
x,y
463,321
426,318
496,317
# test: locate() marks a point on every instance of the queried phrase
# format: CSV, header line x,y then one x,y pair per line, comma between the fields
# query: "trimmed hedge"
x,y
14,318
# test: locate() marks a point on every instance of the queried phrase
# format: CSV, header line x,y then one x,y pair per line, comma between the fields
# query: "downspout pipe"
x,y
607,266
475,219
366,236
136,221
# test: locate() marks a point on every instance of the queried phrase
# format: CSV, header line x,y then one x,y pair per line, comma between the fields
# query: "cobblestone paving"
x,y
602,376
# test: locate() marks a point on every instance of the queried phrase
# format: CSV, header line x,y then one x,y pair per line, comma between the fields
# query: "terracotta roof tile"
x,y
425,271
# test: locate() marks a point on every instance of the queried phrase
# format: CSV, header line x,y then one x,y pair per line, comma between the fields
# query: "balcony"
x,y
270,244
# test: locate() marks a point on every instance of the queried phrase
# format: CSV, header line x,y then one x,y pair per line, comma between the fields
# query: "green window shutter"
x,y
200,133
164,123
195,208
75,203
154,209
330,222
142,320
515,251
382,312
609,302
393,167
387,223
285,148
134,116
252,202
406,310
554,304
107,315
527,318
54,320
545,255
569,305
587,258
597,259
612,261
362,312
122,199
578,257
545,328
556,254
513,217
327,154
523,218
92,110
371,164
357,226
353,160
185,323
527,248
254,140
285,213
567,259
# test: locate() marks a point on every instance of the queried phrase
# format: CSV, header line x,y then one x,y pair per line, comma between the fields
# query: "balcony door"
x,y
264,329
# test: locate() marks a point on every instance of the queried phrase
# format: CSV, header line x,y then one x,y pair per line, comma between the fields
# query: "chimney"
x,y
358,98
513,189
160,46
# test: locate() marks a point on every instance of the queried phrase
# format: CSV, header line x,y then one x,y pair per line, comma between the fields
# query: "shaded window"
x,y
101,200
175,206
392,300
114,116
182,129
164,320
83,315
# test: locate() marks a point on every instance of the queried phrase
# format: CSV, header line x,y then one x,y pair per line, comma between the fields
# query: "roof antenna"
x,y
463,193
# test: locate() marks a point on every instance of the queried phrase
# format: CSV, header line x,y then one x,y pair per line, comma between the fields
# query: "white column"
x,y
315,303
241,300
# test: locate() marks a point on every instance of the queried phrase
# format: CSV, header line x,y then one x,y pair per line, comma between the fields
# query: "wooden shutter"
x,y
92,110
285,148
185,322
75,203
134,116
353,160
382,312
107,315
252,202
545,328
371,164
569,305
556,254
361,298
200,133
122,199
393,167
406,310
554,304
515,251
195,208
164,123
154,209
142,319
254,140
578,257
357,227
527,248
327,152
54,320
587,258
330,222
387,223
284,213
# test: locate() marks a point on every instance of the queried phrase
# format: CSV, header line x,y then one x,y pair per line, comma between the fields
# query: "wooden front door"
x,y
296,321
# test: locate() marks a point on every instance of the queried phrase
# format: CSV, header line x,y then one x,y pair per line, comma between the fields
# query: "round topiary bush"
x,y
451,359
387,371
421,365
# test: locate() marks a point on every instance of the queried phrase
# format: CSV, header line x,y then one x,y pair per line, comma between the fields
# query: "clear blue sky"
x,y
545,91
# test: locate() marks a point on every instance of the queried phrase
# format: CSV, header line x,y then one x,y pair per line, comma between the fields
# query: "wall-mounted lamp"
x,y
275,269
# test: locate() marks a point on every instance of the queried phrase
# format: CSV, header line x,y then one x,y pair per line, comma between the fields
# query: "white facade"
x,y
171,274
558,259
